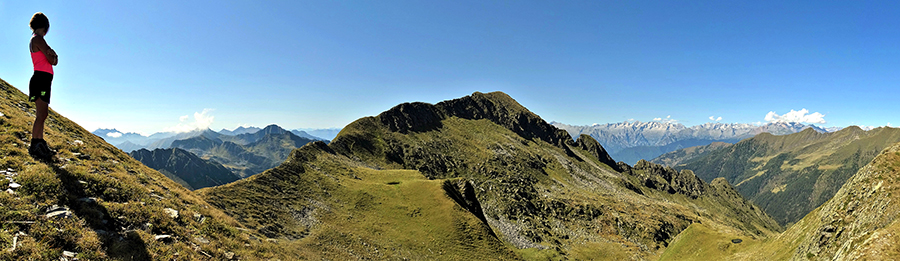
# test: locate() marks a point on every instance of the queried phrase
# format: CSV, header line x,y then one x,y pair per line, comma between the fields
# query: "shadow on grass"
x,y
120,245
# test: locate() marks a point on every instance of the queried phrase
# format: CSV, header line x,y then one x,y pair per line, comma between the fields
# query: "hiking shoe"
x,y
33,150
40,150
46,148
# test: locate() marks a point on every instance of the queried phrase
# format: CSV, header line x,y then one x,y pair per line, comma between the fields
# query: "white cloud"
x,y
202,120
114,134
668,119
801,116
713,118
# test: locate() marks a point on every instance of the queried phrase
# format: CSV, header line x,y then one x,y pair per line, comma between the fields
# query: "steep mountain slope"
x,y
185,168
791,175
680,156
633,141
100,203
520,182
858,223
635,154
259,153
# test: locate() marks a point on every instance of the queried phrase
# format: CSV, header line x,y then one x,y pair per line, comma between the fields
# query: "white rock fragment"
x,y
78,143
171,212
57,211
14,185
201,240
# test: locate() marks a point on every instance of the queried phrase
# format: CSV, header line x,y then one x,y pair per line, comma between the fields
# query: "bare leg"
x,y
37,131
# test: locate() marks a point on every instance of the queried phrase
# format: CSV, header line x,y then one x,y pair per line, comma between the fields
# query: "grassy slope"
x,y
130,199
860,222
675,158
790,175
540,200
330,207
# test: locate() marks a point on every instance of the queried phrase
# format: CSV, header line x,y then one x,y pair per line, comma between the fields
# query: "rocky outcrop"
x,y
505,111
667,179
591,145
416,117
463,193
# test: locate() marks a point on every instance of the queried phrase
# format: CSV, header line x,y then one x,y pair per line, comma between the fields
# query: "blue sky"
x,y
158,65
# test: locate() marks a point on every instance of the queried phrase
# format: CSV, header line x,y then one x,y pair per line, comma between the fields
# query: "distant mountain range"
x,y
326,134
244,154
633,141
130,141
239,130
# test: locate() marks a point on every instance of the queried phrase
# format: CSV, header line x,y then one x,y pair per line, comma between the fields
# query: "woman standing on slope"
x,y
44,58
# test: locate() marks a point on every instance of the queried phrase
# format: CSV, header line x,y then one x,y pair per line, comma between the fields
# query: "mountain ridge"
x,y
792,174
524,173
859,223
195,172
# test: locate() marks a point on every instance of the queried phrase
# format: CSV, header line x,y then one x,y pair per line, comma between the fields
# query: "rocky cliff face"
x,y
596,150
667,179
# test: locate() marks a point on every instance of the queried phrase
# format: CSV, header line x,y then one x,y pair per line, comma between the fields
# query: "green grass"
x,y
125,212
700,242
353,211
